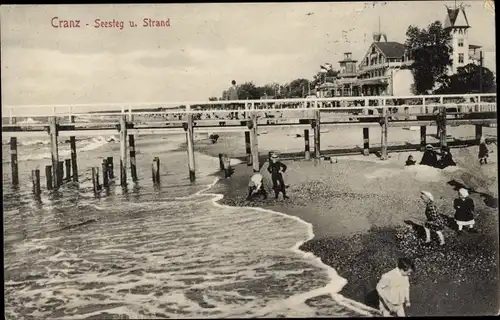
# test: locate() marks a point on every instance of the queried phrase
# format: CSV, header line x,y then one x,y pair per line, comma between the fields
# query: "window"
x,y
460,58
460,42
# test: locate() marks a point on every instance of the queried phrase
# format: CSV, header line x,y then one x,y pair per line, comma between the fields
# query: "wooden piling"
x,y
67,166
443,135
366,141
317,144
111,170
307,152
105,174
95,179
123,150
74,163
133,167
221,162
479,132
48,177
423,138
190,146
13,161
248,148
384,124
54,150
35,177
255,142
60,173
156,171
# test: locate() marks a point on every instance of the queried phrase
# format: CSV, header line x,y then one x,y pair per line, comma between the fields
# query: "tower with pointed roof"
x,y
456,22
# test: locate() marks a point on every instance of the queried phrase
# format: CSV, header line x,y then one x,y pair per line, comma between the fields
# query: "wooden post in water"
x,y
383,145
317,131
48,177
111,170
133,167
105,174
54,150
95,179
255,141
366,141
479,132
60,173
13,161
74,163
67,166
35,177
123,150
423,138
190,145
156,171
248,148
221,162
307,152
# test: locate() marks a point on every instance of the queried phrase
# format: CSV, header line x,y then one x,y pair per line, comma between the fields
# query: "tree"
x,y
467,80
430,50
248,90
320,78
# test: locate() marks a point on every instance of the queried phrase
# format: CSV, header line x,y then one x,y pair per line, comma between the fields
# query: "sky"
x,y
205,47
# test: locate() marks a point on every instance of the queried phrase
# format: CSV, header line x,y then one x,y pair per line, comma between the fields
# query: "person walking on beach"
x,y
256,186
276,169
483,151
434,222
232,95
394,289
464,211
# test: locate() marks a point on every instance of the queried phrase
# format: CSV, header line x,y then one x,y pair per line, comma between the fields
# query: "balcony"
x,y
391,64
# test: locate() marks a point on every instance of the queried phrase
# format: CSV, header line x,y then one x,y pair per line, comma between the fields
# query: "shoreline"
x,y
361,255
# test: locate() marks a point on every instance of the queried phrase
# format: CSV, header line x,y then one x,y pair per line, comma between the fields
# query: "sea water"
x,y
145,251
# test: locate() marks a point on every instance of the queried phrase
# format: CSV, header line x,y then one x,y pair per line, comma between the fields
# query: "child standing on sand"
x,y
394,289
483,151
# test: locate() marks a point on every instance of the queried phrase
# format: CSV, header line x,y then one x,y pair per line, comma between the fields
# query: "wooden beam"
x,y
54,150
123,150
190,147
255,142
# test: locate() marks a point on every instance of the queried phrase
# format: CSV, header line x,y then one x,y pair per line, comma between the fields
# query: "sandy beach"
x,y
366,213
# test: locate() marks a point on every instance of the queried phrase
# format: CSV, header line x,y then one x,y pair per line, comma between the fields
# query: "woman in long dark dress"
x,y
483,151
446,159
464,211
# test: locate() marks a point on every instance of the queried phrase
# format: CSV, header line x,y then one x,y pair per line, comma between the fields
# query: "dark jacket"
x,y
429,158
464,209
483,150
446,160
274,167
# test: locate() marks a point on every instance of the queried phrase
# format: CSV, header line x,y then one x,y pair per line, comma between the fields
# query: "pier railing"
x,y
414,105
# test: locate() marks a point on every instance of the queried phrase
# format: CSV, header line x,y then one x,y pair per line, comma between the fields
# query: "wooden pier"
x,y
384,112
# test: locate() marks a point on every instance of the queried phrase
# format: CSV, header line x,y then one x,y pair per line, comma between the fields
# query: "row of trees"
x,y
430,50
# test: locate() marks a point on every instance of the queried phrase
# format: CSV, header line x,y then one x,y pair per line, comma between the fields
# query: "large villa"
x,y
384,69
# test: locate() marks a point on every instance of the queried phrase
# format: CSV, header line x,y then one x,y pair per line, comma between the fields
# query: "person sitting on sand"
x,y
483,151
410,161
256,186
446,159
394,289
435,222
429,157
276,168
464,211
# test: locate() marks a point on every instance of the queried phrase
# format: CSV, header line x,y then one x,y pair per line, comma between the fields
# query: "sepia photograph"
x,y
250,160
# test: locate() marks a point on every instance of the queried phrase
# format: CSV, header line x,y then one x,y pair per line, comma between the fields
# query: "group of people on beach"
x,y
276,169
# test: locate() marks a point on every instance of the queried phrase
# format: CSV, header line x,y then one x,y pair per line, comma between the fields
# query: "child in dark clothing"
x,y
276,168
464,210
410,161
446,159
483,151
429,157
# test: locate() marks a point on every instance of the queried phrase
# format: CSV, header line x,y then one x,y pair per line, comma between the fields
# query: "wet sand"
x,y
365,214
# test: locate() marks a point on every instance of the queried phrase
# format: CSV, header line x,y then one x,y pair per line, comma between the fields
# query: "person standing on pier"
x,y
276,169
232,95
464,211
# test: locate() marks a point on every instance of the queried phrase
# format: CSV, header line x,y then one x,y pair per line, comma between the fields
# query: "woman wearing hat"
x,y
434,222
276,168
429,157
464,210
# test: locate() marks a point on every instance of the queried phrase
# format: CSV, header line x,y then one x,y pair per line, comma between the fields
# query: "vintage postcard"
x,y
250,160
